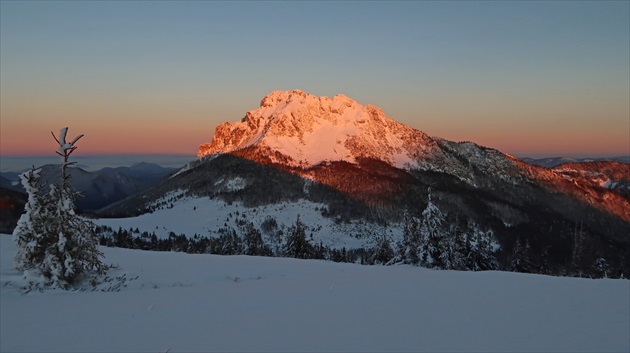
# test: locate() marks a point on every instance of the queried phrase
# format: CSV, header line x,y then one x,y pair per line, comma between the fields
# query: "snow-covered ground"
x,y
200,303
205,216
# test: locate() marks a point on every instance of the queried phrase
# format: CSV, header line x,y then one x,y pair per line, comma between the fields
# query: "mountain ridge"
x,y
308,130
98,188
297,132
550,162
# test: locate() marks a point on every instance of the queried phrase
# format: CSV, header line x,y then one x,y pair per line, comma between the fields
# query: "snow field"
x,y
181,302
206,216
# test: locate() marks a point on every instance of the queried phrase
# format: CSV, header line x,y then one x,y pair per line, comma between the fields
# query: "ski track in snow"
x,y
183,302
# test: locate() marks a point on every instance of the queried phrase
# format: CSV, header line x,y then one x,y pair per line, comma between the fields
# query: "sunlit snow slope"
x,y
302,130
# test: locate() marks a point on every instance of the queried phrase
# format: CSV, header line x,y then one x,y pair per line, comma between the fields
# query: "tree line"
x,y
428,241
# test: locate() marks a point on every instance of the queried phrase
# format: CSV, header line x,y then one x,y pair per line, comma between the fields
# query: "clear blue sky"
x,y
529,77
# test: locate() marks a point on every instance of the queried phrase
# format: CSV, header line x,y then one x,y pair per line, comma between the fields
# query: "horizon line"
x,y
140,154
79,155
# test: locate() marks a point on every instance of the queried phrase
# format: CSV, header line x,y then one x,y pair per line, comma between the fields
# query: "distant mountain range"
x,y
554,161
99,188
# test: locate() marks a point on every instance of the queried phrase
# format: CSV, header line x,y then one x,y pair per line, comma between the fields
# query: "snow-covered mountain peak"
x,y
284,98
300,129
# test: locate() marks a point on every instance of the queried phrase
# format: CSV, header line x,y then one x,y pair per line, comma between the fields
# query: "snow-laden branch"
x,y
65,148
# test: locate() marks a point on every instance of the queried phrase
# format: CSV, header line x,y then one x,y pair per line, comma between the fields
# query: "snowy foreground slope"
x,y
182,302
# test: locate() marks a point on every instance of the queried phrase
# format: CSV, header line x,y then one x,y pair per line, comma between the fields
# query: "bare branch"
x,y
76,139
55,137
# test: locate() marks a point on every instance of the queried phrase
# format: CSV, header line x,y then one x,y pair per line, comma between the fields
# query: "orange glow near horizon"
x,y
167,128
105,141
180,136
130,139
584,124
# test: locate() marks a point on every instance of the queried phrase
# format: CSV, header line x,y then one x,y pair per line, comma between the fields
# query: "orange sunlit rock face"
x,y
370,181
359,151
579,183
308,130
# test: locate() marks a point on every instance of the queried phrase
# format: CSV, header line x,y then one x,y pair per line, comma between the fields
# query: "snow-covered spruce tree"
x,y
520,261
65,244
382,252
31,227
457,239
446,253
602,268
408,248
481,255
580,256
297,245
253,243
432,234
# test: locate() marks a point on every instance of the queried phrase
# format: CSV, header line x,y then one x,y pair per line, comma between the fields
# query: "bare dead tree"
x,y
65,150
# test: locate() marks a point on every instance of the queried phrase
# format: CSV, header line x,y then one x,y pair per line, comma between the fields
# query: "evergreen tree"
x,y
63,245
253,243
520,257
446,254
229,243
382,252
432,234
459,250
545,265
408,249
297,245
580,256
123,239
482,252
467,252
602,269
32,225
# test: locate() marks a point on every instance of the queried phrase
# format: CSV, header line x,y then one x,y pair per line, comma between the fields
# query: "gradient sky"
x,y
529,78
